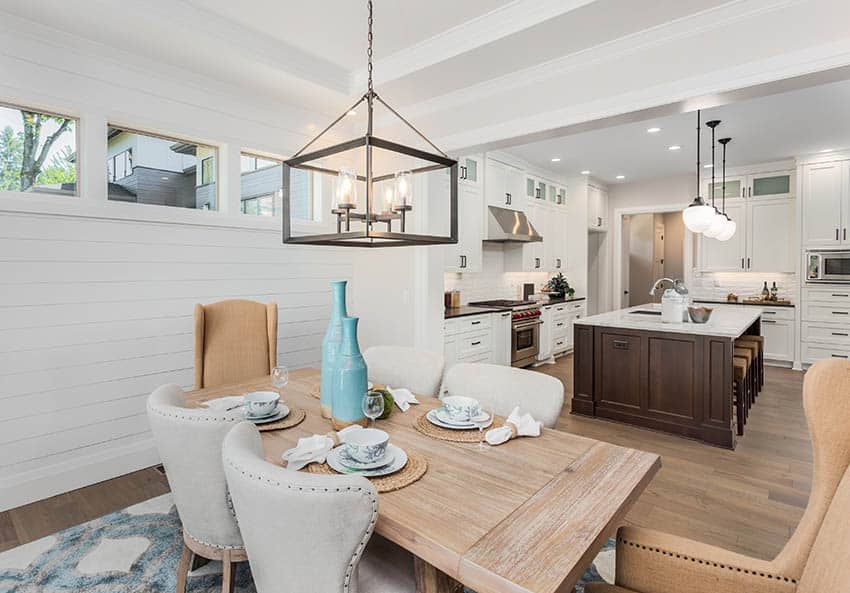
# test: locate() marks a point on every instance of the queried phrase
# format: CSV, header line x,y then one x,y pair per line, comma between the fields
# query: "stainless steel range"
x,y
525,329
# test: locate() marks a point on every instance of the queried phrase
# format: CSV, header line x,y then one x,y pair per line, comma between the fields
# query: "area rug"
x,y
136,550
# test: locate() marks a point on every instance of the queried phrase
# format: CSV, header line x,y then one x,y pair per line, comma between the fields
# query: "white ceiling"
x,y
766,129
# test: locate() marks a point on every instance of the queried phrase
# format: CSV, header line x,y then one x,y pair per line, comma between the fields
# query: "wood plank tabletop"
x,y
527,516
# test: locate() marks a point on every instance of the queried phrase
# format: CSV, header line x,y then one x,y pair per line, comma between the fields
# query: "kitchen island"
x,y
672,377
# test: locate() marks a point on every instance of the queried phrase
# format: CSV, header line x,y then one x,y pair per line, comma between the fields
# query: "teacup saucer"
x,y
444,416
348,461
435,419
398,462
281,412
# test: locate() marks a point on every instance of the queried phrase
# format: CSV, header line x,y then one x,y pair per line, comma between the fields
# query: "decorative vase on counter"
x,y
349,378
331,344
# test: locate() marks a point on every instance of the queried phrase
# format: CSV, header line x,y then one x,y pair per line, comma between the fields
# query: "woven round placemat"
x,y
296,416
414,469
316,390
447,434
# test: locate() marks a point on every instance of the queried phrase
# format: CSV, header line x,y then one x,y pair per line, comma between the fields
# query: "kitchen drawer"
x,y
473,342
827,312
560,327
473,323
560,344
449,327
485,357
826,334
837,295
815,352
785,313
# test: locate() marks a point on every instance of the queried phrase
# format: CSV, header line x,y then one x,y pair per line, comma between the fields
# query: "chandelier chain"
x,y
369,46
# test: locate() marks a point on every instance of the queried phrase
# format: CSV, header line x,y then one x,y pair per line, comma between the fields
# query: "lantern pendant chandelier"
x,y
375,222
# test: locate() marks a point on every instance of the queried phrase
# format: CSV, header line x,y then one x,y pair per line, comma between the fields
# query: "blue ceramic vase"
x,y
349,376
331,344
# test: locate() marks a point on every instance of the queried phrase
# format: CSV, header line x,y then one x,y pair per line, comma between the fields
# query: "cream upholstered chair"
x,y
309,533
504,387
234,340
816,555
189,443
419,371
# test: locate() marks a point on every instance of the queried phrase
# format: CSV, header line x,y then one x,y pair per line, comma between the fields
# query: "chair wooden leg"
x,y
183,569
227,576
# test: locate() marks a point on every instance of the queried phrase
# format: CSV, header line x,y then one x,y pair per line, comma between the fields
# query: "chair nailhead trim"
x,y
364,539
706,562
195,418
216,546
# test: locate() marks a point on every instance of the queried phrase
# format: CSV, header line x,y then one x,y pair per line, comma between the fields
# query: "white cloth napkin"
x,y
223,403
403,397
524,425
315,448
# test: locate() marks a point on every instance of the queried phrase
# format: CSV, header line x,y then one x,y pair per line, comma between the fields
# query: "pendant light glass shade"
x,y
718,223
698,216
728,231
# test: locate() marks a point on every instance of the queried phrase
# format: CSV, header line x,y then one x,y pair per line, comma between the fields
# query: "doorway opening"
x,y
653,247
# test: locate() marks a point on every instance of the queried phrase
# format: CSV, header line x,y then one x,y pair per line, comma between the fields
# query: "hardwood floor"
x,y
748,500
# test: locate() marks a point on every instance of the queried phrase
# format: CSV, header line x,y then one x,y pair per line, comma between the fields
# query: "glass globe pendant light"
x,y
730,227
718,221
698,215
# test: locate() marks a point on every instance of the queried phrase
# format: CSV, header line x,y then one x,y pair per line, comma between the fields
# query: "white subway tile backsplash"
x,y
716,285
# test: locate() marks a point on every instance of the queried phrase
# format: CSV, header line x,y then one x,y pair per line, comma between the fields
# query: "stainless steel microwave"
x,y
828,266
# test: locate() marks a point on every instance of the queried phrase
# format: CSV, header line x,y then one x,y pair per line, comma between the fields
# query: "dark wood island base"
x,y
674,382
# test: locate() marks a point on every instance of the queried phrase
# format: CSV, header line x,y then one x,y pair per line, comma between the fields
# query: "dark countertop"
x,y
759,304
564,300
466,310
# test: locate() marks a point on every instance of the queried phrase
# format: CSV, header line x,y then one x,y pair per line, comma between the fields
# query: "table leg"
x,y
431,580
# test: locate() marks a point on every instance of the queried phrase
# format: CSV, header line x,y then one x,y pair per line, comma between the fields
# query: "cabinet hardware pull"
x,y
598,221
750,192
621,344
836,234
742,263
748,263
475,322
476,343
505,315
839,356
841,313
840,295
560,324
768,321
838,334
770,312
845,233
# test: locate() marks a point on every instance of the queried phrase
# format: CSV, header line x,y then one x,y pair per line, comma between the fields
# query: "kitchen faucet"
x,y
676,285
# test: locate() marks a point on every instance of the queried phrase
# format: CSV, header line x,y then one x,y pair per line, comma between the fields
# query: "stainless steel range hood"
x,y
510,226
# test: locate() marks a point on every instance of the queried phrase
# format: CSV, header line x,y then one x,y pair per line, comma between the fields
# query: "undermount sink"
x,y
645,312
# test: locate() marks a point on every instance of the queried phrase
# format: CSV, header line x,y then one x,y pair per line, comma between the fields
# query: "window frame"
x,y
77,162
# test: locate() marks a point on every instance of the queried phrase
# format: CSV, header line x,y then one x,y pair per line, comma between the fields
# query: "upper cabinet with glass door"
x,y
773,184
469,170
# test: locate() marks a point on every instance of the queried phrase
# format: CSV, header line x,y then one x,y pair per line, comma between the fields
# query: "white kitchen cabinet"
x,y
467,254
826,205
503,185
778,339
555,243
470,170
468,339
763,241
501,338
597,208
769,184
545,333
529,257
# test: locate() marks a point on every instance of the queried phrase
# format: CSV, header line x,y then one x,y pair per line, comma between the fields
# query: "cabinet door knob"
x,y
836,234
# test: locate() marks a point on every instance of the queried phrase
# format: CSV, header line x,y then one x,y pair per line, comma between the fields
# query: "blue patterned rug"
x,y
136,550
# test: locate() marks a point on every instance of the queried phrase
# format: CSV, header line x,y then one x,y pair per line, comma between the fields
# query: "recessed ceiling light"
x,y
556,159
352,112
708,166
674,147
653,130
621,176
585,172
827,150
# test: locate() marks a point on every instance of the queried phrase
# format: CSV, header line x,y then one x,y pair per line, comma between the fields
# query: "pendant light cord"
x,y
369,46
698,133
712,167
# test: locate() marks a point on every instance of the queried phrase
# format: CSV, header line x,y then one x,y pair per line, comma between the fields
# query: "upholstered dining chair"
x,y
398,366
306,532
504,387
234,340
189,444
817,557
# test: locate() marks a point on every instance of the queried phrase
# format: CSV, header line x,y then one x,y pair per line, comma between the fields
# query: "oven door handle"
x,y
528,324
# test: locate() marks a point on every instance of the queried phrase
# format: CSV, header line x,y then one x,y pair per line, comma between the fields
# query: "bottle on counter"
x,y
774,292
765,293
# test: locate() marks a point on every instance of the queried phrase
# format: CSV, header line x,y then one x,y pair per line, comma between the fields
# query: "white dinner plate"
x,y
446,418
347,460
281,412
398,462
434,419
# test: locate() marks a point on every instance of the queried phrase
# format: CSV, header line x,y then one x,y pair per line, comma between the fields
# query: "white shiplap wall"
x,y
96,312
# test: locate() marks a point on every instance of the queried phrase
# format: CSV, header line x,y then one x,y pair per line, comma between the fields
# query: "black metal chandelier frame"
x,y
370,236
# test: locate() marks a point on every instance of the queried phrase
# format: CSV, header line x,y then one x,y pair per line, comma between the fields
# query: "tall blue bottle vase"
x,y
331,345
349,376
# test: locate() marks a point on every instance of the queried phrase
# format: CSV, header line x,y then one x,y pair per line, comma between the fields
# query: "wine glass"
x,y
373,406
481,421
280,377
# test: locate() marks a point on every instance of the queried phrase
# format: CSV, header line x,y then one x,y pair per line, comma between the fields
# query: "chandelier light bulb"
x,y
403,189
346,189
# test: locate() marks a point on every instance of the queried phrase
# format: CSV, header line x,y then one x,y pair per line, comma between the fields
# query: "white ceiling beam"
x,y
506,20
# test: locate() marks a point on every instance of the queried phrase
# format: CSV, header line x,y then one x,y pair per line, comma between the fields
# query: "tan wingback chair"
x,y
816,557
234,340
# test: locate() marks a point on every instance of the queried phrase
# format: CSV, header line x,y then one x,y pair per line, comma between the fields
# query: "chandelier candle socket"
x,y
391,173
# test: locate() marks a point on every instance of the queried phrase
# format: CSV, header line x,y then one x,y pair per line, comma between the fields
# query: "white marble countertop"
x,y
729,320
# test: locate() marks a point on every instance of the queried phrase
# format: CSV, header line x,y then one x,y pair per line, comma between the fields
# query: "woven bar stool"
x,y
759,341
747,355
753,347
739,388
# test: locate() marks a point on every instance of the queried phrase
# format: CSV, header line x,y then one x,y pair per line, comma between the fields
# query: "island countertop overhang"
x,y
726,321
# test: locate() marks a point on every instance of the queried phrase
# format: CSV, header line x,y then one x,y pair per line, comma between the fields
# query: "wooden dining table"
x,y
528,516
